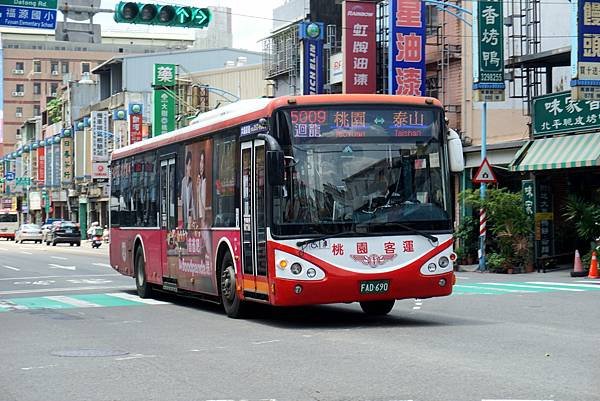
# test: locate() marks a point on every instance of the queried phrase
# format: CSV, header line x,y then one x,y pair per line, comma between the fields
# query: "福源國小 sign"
x,y
26,17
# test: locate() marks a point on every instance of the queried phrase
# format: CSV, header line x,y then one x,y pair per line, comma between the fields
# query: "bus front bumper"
x,y
335,289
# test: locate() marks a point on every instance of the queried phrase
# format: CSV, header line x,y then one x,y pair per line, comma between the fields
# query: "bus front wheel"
x,y
143,287
233,305
377,308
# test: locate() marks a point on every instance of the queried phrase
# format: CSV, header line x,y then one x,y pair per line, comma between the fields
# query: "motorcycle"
x,y
97,238
96,241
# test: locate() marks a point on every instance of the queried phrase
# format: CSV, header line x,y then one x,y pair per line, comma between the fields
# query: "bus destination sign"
x,y
359,123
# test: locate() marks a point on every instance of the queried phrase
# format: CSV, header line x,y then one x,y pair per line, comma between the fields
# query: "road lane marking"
x,y
11,268
544,283
26,253
69,276
55,266
101,264
134,356
533,286
265,342
73,301
58,257
38,367
38,290
135,298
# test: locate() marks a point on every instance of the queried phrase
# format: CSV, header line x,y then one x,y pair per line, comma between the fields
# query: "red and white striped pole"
x,y
482,234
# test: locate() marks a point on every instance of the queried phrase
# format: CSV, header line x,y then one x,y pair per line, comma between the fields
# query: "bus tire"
x,y
377,308
142,286
233,305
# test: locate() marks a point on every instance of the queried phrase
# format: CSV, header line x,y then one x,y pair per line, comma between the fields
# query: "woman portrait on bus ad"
x,y
188,205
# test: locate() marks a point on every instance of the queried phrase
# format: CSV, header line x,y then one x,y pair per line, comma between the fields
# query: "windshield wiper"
x,y
349,233
409,229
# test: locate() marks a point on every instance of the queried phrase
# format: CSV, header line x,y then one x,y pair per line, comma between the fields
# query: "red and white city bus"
x,y
292,201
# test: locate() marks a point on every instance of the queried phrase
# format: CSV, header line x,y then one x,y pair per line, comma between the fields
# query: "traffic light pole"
x,y
84,9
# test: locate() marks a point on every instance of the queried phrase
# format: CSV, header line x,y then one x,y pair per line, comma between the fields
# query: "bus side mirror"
x,y
275,167
455,152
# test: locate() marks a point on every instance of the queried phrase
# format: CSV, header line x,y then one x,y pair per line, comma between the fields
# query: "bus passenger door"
x,y
254,240
168,209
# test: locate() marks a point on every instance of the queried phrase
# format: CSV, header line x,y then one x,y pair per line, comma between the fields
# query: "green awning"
x,y
560,152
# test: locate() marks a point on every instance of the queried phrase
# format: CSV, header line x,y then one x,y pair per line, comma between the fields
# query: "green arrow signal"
x,y
200,18
184,15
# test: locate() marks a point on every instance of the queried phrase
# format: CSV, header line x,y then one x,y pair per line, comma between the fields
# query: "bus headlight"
x,y
431,267
311,273
296,268
444,262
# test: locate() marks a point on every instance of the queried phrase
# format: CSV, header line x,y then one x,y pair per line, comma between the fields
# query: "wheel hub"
x,y
227,283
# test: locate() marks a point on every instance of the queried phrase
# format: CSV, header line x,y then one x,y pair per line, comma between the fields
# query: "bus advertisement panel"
x,y
291,201
189,250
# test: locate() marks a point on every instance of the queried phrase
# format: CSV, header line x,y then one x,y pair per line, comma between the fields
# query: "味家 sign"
x,y
558,113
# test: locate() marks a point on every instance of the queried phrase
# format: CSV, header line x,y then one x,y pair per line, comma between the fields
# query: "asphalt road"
x,y
81,334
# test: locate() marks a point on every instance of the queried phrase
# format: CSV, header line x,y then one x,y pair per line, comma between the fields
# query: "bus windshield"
x,y
373,169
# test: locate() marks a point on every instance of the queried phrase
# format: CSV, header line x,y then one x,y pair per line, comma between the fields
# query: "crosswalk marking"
x,y
76,301
129,297
487,288
594,286
73,301
535,286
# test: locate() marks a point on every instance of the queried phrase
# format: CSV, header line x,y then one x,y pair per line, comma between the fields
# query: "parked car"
x,y
47,227
28,232
64,232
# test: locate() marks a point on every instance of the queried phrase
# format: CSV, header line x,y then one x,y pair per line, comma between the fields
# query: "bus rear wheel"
x,y
141,284
233,305
377,308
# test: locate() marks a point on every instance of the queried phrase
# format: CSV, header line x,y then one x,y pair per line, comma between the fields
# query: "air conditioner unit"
x,y
18,114
15,93
18,72
54,72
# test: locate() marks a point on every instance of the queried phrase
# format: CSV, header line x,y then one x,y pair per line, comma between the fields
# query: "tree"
x,y
54,108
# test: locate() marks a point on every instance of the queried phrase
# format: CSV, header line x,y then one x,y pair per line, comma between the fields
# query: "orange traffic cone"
x,y
577,266
593,267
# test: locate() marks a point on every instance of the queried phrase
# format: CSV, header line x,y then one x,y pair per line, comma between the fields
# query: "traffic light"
x,y
157,14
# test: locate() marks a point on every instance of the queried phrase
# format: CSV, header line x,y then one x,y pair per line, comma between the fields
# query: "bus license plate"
x,y
374,286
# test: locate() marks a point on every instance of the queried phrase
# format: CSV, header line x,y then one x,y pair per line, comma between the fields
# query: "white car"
x,y
29,232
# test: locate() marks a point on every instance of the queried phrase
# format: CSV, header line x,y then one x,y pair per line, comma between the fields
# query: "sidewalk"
x,y
489,276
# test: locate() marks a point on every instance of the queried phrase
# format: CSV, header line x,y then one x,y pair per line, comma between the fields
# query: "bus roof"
x,y
251,110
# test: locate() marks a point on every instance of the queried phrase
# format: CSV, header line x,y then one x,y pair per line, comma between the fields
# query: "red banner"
x,y
41,165
135,128
359,47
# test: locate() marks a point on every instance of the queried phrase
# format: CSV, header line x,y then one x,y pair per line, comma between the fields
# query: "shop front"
x,y
565,173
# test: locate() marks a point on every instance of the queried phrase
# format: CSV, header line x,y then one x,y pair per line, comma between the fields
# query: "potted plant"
x,y
468,237
509,227
496,262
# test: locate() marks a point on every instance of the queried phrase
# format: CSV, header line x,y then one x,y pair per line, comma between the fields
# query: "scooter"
x,y
96,241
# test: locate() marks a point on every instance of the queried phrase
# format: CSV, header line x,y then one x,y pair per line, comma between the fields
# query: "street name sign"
x,y
49,4
25,17
485,174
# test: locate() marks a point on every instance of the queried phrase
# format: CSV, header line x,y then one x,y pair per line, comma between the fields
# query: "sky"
x,y
250,23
